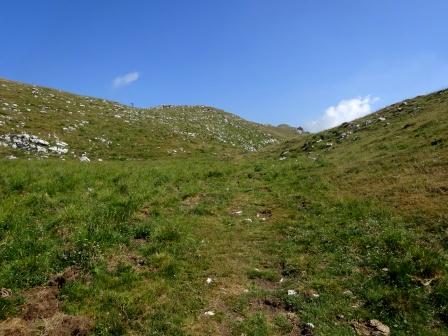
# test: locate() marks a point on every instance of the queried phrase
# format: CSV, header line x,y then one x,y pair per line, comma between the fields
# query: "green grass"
x,y
358,231
118,213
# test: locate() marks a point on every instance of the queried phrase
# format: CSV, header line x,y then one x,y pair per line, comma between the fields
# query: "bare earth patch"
x,y
40,312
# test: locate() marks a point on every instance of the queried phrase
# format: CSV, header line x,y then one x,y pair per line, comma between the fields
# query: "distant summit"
x,y
299,130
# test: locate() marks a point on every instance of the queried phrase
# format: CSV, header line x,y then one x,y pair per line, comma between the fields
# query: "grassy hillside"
x,y
302,238
397,155
68,126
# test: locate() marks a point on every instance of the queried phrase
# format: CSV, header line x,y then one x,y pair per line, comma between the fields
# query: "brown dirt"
x,y
67,325
57,325
266,213
15,327
68,275
123,255
40,312
143,213
41,302
272,307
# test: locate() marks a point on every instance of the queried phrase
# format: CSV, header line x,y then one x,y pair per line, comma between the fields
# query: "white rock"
x,y
348,292
209,313
381,327
58,150
41,149
61,144
5,292
292,292
209,281
38,141
84,158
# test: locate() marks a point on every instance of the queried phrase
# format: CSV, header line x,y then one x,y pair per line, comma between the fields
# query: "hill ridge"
x,y
89,126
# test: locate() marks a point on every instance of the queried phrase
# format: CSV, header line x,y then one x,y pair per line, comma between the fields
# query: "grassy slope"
x,y
401,159
337,228
108,130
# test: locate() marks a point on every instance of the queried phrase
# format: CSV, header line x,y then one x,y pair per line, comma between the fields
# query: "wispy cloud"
x,y
126,79
346,110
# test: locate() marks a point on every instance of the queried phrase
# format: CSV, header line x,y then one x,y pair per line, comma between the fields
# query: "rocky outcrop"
x,y
32,143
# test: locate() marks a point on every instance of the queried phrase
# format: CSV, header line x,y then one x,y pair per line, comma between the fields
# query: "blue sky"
x,y
311,63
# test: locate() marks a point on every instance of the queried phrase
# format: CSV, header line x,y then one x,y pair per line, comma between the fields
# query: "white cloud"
x,y
346,110
124,80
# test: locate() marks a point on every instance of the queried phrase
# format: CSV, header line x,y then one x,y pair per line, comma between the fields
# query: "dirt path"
x,y
237,244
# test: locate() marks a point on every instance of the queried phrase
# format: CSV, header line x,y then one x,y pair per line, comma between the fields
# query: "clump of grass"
x,y
265,274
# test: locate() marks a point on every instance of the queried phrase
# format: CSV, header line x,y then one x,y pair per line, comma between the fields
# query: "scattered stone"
x,y
84,158
292,292
209,313
307,329
11,157
371,328
209,281
5,292
348,292
382,328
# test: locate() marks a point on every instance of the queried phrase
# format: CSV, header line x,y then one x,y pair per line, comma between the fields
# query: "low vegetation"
x,y
301,238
